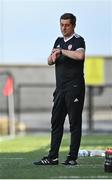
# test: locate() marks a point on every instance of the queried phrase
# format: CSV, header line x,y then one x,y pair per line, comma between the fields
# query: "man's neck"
x,y
68,38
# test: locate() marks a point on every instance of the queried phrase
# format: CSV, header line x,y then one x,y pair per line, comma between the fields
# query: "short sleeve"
x,y
80,44
56,43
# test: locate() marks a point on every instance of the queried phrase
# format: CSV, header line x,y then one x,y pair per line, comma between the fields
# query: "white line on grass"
x,y
83,166
12,158
80,177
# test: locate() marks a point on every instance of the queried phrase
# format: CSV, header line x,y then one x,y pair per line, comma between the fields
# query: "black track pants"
x,y
69,101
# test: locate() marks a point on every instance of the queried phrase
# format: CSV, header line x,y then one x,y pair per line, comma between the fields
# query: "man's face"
x,y
67,28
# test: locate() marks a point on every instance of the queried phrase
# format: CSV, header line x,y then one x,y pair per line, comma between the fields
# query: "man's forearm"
x,y
76,55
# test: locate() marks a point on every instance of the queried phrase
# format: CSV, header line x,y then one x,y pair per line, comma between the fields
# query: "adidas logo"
x,y
76,100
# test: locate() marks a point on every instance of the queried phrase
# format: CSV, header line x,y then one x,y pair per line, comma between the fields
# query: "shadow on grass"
x,y
18,165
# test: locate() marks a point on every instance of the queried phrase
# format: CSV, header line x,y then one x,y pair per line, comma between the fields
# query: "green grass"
x,y
16,158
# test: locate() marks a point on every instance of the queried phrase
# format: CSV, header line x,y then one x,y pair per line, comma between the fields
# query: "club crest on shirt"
x,y
69,46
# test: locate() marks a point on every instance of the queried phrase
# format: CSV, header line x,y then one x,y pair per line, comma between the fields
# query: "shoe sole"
x,y
44,164
69,164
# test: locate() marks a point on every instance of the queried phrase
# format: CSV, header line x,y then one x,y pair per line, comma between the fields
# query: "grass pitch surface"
x,y
17,155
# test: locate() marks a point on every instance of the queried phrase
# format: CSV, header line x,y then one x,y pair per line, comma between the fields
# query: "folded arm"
x,y
78,54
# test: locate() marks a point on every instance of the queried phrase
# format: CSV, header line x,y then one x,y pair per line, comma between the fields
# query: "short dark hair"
x,y
69,16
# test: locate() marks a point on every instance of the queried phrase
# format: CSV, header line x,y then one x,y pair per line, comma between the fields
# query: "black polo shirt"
x,y
67,69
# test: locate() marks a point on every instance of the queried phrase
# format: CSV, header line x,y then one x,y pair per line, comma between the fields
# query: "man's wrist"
x,y
60,51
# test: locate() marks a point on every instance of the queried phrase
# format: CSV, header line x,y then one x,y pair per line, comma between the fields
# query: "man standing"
x,y
68,55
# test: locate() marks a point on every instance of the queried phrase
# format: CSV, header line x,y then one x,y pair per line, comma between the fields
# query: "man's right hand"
x,y
54,56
